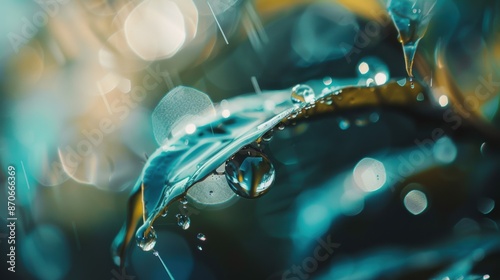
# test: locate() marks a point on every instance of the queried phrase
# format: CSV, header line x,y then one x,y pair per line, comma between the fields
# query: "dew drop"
x,y
146,237
199,248
249,173
201,236
303,94
183,221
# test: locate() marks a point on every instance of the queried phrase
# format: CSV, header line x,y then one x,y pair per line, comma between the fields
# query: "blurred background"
x,y
371,194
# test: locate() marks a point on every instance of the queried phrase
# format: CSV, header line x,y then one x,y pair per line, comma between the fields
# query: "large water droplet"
x,y
249,173
201,236
183,221
411,18
303,94
146,237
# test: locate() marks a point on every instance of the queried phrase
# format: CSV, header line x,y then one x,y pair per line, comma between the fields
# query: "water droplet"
x,y
303,94
268,136
420,97
183,221
329,102
327,81
199,248
146,237
412,85
281,126
165,213
249,173
411,19
402,82
201,236
211,192
344,124
484,149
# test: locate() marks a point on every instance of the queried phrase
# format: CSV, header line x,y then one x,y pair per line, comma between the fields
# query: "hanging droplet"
x,y
249,173
281,126
201,236
183,221
412,85
420,97
402,82
183,201
411,18
164,213
303,94
268,136
146,237
199,248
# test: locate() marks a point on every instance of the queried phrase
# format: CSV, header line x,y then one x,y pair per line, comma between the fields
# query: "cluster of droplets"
x,y
200,236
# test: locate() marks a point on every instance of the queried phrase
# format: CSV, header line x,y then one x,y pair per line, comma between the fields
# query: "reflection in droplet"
x,y
201,236
303,94
415,202
183,221
327,81
146,237
249,173
369,174
444,150
486,205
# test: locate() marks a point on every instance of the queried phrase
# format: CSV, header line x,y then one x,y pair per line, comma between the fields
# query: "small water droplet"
x,y
268,136
201,236
420,97
329,102
199,248
183,201
281,126
402,82
146,237
249,173
164,213
303,94
183,221
327,81
412,85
